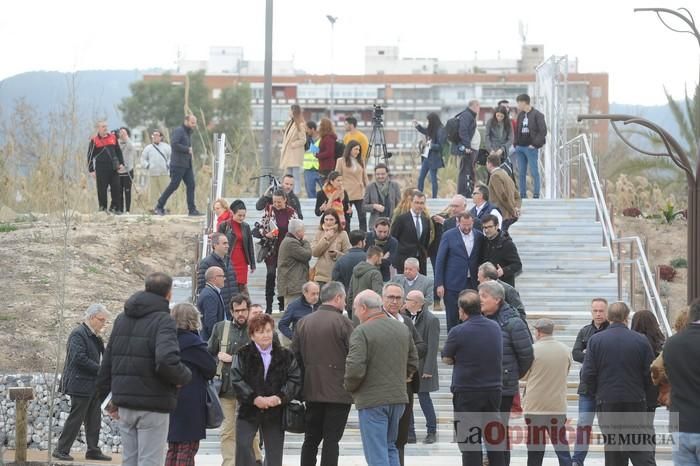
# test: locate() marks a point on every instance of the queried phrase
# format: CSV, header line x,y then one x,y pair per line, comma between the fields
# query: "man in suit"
x,y
411,280
482,206
458,204
457,264
412,231
210,302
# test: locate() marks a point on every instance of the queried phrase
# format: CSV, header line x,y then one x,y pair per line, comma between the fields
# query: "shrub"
x,y
6,228
679,263
632,212
669,214
666,272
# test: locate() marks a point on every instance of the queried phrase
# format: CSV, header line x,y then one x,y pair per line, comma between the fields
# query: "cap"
x,y
545,325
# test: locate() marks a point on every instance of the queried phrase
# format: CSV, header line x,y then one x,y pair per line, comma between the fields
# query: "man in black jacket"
x,y
181,168
464,149
488,272
288,188
530,135
219,258
617,368
500,250
210,303
381,238
104,159
142,369
412,231
342,270
586,395
83,352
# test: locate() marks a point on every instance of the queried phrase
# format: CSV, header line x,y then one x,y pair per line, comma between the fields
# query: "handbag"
x,y
214,411
293,417
218,382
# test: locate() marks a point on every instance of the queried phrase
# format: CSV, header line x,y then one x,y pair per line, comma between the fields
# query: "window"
x,y
461,95
381,52
596,92
215,93
407,136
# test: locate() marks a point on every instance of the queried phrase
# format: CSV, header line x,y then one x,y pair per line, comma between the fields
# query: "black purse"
x,y
293,417
214,411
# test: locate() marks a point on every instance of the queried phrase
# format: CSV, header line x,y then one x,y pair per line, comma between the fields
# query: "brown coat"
x,y
340,243
292,152
503,193
321,343
354,179
292,265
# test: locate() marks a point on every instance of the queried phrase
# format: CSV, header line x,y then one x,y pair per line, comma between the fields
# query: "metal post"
x,y
332,20
619,271
632,275
267,95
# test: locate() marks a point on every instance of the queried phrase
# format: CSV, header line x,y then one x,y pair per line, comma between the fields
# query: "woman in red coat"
x,y
326,148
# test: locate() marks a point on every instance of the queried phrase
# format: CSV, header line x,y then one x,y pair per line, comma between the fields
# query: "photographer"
x,y
288,187
105,159
461,146
431,159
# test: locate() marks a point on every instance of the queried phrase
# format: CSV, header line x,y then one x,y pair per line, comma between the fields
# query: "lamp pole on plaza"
x,y
332,20
267,100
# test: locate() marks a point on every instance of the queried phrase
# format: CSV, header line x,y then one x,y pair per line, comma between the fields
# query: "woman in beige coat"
x,y
330,244
293,141
355,180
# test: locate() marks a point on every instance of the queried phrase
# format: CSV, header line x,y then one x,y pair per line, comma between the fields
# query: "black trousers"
x,y
108,179
465,182
467,406
404,423
178,174
542,426
625,416
506,405
324,421
270,282
361,216
125,192
272,435
86,410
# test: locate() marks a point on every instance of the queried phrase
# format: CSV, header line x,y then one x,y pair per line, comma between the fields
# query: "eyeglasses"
x,y
394,298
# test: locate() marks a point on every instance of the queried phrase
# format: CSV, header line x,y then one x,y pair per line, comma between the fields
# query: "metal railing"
x,y
627,254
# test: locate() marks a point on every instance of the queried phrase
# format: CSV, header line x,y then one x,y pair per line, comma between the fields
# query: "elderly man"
x,y
299,308
83,355
458,204
321,344
482,206
210,303
293,262
156,159
381,237
428,326
545,396
476,380
488,272
218,258
411,280
381,357
517,345
104,159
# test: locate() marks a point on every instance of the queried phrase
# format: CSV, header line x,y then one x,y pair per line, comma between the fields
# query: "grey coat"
x,y
428,326
499,136
372,196
422,283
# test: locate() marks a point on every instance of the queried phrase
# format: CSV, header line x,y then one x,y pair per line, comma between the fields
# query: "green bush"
x,y
679,263
6,228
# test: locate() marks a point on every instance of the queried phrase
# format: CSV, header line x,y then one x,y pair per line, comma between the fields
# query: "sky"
x,y
639,53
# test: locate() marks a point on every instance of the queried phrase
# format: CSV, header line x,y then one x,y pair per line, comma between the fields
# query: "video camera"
x,y
378,114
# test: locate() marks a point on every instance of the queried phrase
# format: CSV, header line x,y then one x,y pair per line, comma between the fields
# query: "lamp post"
x,y
267,99
332,20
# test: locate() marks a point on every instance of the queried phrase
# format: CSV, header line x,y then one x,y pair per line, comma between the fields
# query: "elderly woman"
x,y
330,244
188,421
265,377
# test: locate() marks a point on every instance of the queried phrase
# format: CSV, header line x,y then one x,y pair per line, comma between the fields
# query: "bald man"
x,y
210,302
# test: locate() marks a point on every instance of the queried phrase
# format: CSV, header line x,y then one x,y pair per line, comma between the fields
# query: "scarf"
x,y
383,189
336,204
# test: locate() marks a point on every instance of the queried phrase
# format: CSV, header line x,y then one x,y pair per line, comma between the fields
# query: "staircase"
x,y
564,267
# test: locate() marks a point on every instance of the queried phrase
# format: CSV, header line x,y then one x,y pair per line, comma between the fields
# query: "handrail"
x,y
578,149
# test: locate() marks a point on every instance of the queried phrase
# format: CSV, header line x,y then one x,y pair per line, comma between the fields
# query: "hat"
x,y
545,326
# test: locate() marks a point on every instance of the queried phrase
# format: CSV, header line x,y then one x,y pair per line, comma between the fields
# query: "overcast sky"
x,y
640,55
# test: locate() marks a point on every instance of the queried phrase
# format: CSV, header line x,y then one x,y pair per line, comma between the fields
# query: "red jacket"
x,y
326,153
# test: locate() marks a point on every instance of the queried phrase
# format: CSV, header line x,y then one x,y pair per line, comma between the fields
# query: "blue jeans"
x,y
424,168
311,179
296,174
686,450
426,405
379,428
586,413
526,157
178,174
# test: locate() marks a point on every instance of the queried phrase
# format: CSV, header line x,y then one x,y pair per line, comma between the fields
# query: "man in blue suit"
x,y
457,264
210,302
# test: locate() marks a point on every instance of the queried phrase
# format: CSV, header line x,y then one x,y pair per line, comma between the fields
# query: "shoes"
x,y
411,438
195,213
159,211
576,463
61,456
99,456
430,438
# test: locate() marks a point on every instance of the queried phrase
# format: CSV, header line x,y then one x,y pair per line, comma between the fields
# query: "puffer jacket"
x,y
230,283
83,352
517,347
141,365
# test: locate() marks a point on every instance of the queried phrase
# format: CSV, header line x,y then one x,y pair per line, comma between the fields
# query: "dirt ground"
x,y
107,261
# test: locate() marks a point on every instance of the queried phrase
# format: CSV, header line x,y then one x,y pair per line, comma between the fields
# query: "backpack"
x,y
452,129
339,149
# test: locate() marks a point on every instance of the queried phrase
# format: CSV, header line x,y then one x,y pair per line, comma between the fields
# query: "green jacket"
x,y
365,276
292,265
237,337
382,356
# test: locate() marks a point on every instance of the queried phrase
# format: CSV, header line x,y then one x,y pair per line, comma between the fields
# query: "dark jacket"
x,y
237,337
342,270
485,210
374,196
292,201
421,351
477,336
141,365
296,310
467,127
211,306
321,343
617,365
230,283
181,142
188,421
404,230
502,251
248,248
104,154
249,381
391,245
434,159
428,327
322,197
517,347
579,351
365,276
453,261
681,355
499,136
513,299
83,352
538,130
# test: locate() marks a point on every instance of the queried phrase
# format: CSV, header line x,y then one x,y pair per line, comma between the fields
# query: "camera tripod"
x,y
378,140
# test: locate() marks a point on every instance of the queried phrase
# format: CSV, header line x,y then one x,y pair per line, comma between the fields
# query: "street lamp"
x,y
332,20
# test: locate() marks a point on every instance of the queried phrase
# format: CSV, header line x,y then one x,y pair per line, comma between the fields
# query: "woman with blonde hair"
x,y
188,421
330,244
293,142
223,213
404,204
352,169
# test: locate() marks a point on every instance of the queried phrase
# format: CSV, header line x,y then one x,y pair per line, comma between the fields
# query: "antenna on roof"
x,y
522,30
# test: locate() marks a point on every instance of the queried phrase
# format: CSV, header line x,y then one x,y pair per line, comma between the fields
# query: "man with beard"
x,y
500,250
382,195
380,237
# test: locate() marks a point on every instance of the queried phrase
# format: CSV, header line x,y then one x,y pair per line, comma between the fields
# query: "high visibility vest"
x,y
310,160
